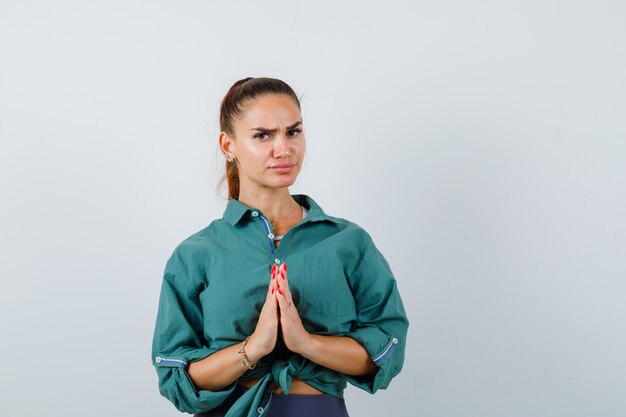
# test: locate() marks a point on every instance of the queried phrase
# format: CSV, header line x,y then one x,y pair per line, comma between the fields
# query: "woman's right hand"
x,y
263,339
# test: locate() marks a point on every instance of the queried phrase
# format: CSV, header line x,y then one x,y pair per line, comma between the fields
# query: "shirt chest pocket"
x,y
325,287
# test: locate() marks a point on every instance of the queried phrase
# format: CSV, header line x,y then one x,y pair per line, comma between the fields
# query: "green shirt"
x,y
215,284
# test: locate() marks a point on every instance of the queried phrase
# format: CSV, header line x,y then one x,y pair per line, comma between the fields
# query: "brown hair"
x,y
232,106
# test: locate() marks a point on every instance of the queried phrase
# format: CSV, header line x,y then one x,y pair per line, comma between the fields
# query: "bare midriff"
x,y
297,387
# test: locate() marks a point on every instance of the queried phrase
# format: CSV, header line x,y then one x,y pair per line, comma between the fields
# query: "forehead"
x,y
269,110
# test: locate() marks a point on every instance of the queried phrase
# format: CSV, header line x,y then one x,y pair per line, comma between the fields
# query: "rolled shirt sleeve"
x,y
178,340
382,323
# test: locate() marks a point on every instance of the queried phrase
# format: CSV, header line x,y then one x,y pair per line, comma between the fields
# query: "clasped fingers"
x,y
281,285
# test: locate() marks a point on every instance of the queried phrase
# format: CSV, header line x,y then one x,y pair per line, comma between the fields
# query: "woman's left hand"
x,y
295,336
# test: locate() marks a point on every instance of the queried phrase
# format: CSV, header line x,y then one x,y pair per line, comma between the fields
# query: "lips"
x,y
283,168
283,165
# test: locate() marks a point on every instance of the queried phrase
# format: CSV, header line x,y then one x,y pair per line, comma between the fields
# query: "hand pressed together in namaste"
x,y
279,311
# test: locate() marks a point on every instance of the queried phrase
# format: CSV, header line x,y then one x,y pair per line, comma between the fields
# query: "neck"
x,y
274,203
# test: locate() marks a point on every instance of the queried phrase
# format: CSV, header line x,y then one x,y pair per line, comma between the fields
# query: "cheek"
x,y
257,157
256,153
302,149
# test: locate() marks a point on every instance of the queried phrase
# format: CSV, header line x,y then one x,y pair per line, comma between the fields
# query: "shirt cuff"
x,y
176,385
387,352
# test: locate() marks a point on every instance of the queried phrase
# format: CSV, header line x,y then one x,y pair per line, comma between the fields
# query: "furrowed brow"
x,y
263,129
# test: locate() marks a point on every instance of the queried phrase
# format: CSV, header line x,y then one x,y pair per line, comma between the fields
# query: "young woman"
x,y
272,309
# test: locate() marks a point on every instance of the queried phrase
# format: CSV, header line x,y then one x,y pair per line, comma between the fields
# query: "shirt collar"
x,y
235,210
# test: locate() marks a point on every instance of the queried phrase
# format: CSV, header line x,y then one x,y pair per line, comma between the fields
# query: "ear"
x,y
226,143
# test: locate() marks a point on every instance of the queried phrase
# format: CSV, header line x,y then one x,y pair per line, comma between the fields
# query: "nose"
x,y
282,148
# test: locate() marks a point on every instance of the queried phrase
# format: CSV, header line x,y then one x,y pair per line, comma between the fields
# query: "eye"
x,y
258,135
296,132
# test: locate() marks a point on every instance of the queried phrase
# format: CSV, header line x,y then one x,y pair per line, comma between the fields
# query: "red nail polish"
x,y
274,268
281,293
285,268
272,290
282,274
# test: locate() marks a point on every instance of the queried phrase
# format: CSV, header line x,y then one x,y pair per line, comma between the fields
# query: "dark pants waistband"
x,y
288,405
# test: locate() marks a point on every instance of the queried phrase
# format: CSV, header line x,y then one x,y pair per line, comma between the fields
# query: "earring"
x,y
229,158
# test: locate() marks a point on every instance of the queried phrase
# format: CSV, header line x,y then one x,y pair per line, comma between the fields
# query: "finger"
x,y
271,285
272,288
273,301
282,300
285,306
283,282
283,291
275,278
282,276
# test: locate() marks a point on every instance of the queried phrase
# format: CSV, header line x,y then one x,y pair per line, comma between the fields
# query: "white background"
x,y
482,144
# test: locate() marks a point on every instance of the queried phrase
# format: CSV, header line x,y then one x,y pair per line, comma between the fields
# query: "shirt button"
x,y
271,236
277,261
255,214
395,341
158,359
259,410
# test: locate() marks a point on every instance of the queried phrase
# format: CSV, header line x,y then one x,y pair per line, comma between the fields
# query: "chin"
x,y
285,181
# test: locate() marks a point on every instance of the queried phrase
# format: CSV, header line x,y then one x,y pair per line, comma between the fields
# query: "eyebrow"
x,y
263,129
